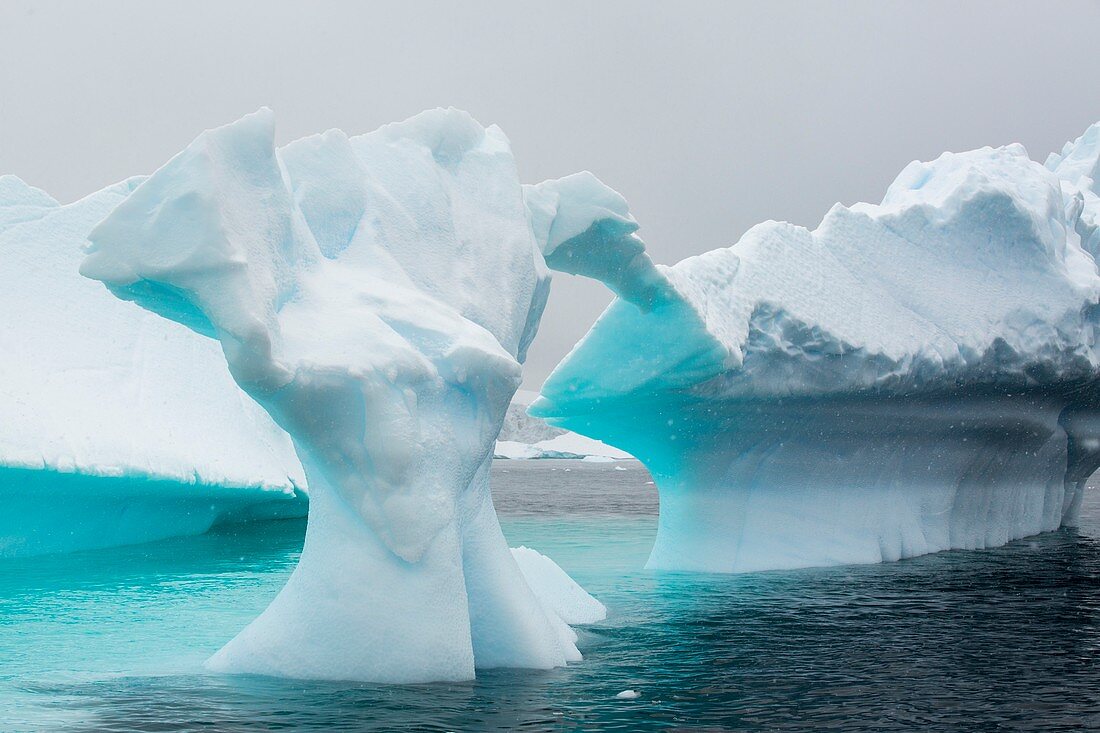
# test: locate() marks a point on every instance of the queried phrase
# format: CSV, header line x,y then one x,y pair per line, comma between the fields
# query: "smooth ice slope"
x,y
557,592
376,295
908,377
115,425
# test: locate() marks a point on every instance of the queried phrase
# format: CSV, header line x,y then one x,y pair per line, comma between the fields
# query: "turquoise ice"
x,y
116,426
908,377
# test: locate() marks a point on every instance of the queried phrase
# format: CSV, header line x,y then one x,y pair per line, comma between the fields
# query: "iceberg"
x,y
910,376
116,426
524,437
376,295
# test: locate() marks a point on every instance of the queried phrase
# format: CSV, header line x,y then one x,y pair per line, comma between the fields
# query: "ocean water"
x,y
996,640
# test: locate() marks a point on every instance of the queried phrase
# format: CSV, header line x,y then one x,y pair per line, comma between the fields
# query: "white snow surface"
x,y
376,295
1078,165
137,418
971,269
910,376
567,445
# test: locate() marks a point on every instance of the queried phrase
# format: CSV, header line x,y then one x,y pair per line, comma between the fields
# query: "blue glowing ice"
x,y
909,377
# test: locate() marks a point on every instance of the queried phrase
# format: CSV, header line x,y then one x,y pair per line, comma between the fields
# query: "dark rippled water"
x,y
997,640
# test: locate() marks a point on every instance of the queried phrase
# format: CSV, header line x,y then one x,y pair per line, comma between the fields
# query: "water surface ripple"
x,y
995,640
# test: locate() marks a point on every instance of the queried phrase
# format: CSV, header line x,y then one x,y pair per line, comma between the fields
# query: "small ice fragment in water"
x,y
620,468
628,695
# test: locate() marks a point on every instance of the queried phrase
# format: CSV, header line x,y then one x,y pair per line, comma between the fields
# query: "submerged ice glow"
x,y
908,377
116,426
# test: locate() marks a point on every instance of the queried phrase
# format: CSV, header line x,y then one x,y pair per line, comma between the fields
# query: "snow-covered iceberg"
x,y
908,377
376,294
116,426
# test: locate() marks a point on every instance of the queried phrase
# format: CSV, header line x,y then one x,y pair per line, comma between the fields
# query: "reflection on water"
x,y
994,640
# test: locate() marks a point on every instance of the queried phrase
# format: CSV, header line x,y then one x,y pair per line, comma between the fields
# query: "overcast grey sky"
x,y
707,116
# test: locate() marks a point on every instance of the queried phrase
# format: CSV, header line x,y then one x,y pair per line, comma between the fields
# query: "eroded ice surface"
x,y
376,295
908,377
116,426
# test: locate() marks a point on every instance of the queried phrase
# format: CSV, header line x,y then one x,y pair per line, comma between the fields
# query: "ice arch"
x,y
911,376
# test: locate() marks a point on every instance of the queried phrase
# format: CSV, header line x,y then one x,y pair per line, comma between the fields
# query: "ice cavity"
x,y
376,295
911,376
116,426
